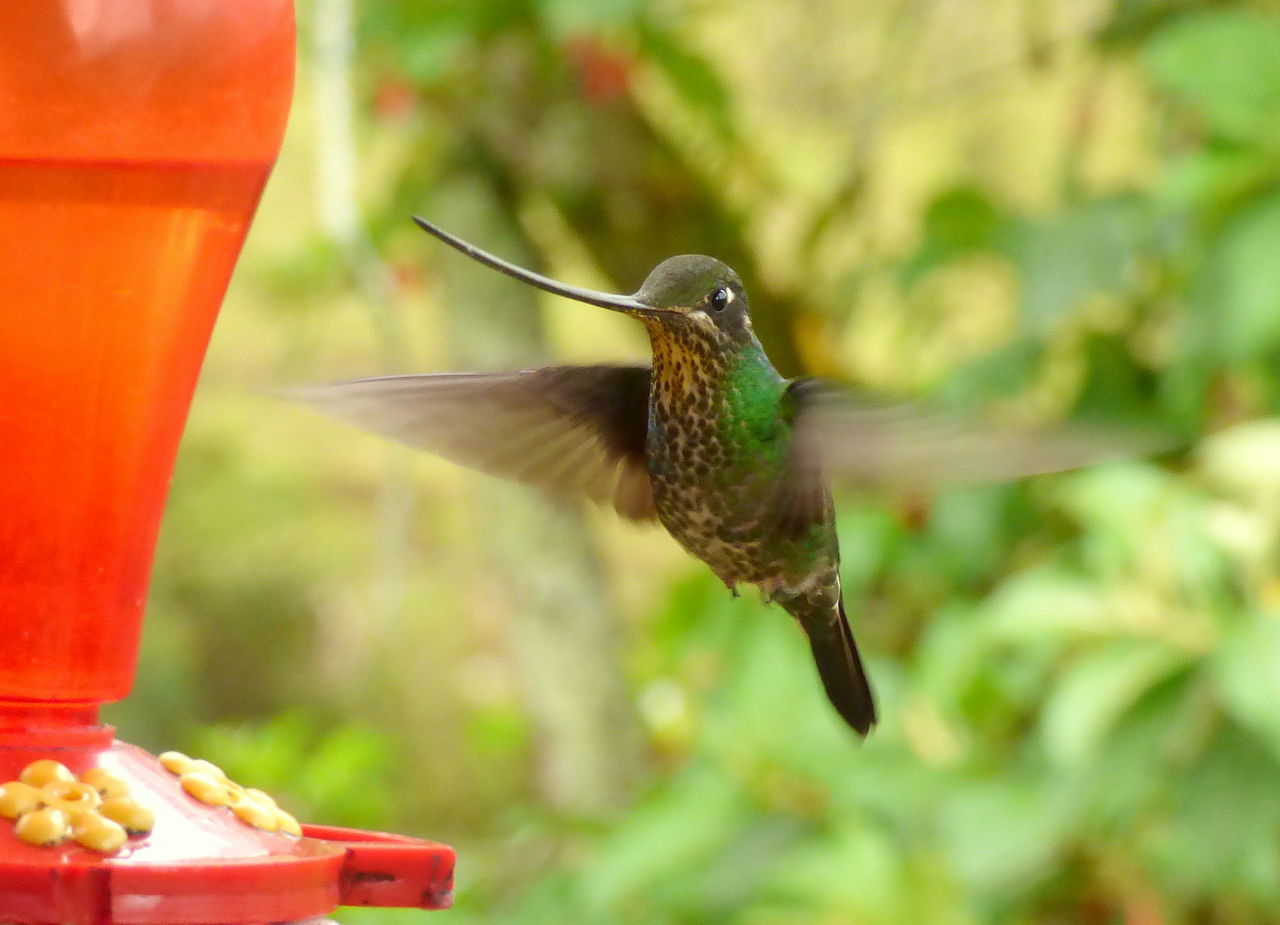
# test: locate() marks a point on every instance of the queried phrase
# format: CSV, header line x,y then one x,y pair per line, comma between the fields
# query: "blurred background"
x,y
1044,209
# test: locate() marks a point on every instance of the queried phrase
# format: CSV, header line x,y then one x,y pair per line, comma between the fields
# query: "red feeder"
x,y
135,139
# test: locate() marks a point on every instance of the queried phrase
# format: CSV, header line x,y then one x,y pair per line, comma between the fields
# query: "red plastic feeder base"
x,y
199,864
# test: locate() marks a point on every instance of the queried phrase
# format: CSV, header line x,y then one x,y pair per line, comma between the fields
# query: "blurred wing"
x,y
840,434
569,430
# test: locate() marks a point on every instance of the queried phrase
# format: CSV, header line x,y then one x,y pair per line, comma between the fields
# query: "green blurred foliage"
x,y
1051,210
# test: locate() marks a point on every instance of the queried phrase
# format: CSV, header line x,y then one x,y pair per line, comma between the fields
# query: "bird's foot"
x,y
769,590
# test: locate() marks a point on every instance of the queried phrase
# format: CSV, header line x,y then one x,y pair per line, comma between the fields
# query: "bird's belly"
x,y
720,503
728,529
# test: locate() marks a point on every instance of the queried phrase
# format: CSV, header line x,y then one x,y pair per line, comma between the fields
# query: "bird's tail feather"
x,y
839,666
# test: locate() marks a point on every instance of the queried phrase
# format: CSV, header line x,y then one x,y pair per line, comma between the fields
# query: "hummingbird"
x,y
733,459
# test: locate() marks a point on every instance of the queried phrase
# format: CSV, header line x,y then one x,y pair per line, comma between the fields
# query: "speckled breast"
x,y
718,505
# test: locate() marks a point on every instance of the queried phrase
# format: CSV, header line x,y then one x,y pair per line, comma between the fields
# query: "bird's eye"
x,y
721,298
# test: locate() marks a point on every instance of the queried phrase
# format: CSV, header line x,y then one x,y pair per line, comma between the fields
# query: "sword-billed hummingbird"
x,y
710,440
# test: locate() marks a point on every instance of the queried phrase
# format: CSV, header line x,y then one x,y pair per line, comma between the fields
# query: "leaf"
x,y
1003,372
1138,517
818,875
690,74
1239,302
1045,606
1246,672
696,615
1133,771
1226,64
1221,838
1241,460
734,878
679,830
430,54
958,221
1088,251
949,656
1003,835
969,528
425,38
1214,177
1120,498
869,537
574,17
1116,387
771,704
1099,689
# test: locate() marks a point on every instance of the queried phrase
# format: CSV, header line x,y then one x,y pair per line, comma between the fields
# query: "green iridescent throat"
x,y
750,421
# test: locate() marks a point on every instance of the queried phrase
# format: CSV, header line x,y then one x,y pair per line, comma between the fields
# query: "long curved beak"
x,y
619,303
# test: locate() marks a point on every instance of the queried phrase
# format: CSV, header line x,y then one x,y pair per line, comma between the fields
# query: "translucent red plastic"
x,y
200,864
135,139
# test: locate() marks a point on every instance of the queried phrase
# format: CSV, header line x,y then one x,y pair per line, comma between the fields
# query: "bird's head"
x,y
693,294
683,296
